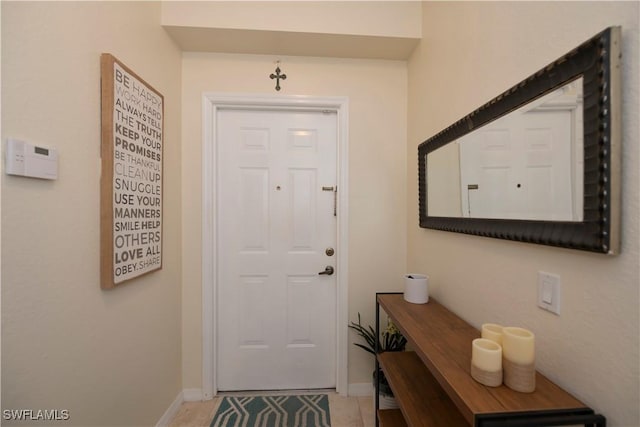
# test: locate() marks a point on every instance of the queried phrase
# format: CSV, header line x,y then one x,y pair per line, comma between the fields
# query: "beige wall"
x,y
109,357
470,53
368,18
377,154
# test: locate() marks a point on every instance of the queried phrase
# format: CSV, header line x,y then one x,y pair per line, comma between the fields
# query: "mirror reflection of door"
x,y
527,164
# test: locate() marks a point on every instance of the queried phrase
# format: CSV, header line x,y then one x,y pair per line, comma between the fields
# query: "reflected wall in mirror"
x,y
540,163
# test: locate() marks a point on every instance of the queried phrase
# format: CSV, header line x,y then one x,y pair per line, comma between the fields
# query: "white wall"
x,y
109,357
377,153
471,52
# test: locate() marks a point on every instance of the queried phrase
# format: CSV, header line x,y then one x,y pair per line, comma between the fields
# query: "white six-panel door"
x,y
275,221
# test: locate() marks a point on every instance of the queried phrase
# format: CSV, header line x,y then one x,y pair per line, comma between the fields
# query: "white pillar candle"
x,y
492,332
486,355
518,345
416,288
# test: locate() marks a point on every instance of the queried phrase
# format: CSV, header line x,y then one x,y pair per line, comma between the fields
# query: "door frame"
x,y
211,103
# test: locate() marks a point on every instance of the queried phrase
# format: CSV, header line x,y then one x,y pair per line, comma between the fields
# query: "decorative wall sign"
x,y
131,182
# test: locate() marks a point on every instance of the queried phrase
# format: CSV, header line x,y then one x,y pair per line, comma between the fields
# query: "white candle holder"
x,y
519,359
486,362
416,288
493,332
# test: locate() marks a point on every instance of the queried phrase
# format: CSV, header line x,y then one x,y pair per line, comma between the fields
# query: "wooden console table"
x,y
434,387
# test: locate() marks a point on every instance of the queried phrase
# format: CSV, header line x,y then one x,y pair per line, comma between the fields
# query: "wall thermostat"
x,y
30,160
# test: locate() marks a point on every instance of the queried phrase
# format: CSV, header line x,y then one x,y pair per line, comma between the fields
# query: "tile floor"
x,y
345,412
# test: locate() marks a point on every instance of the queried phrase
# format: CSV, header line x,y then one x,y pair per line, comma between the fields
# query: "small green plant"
x,y
392,340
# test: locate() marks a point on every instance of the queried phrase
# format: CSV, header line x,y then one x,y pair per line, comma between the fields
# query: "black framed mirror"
x,y
539,163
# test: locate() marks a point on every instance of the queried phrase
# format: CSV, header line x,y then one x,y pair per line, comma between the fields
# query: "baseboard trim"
x,y
192,394
171,411
360,389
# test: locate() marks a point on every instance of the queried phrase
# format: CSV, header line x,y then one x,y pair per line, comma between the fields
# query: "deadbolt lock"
x,y
329,251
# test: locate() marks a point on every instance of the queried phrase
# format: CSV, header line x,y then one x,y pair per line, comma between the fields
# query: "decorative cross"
x,y
278,76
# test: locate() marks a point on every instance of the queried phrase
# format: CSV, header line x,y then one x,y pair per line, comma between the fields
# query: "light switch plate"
x,y
549,292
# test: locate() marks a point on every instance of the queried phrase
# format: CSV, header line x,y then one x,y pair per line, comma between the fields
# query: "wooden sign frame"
x,y
131,184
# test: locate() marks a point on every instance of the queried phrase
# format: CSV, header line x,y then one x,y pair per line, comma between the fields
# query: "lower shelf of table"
x,y
422,401
391,418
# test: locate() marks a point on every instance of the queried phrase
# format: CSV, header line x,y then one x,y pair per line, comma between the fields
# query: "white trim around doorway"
x,y
211,103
